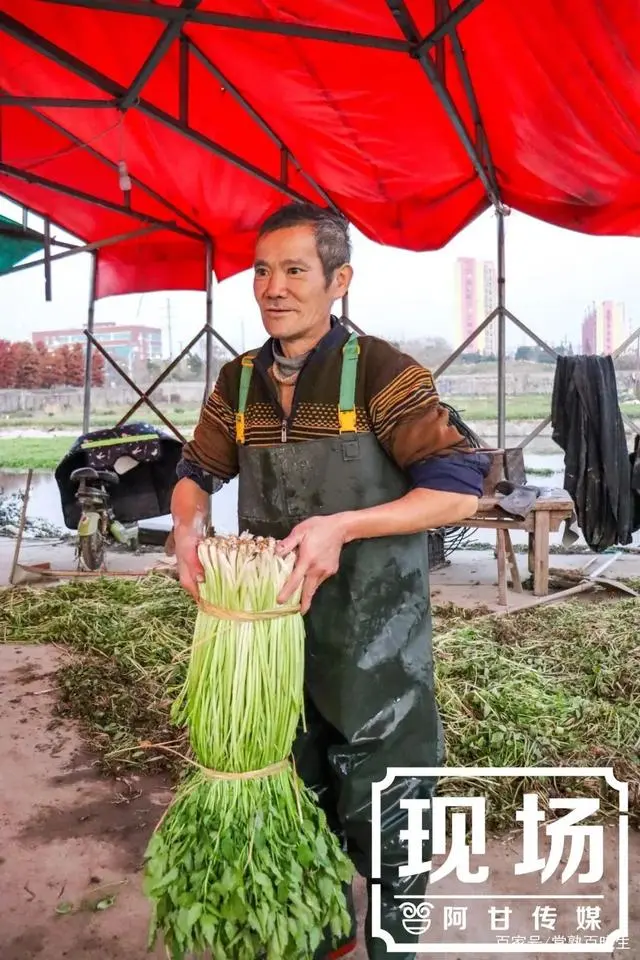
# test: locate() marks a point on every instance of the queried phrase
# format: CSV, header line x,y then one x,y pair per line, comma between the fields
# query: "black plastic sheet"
x,y
142,493
588,426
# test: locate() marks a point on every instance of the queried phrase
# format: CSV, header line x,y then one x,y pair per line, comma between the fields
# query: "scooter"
x,y
98,525
112,479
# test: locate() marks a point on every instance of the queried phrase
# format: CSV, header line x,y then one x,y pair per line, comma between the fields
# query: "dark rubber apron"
x,y
369,672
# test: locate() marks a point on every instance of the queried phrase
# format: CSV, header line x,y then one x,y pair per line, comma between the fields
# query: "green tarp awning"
x,y
16,243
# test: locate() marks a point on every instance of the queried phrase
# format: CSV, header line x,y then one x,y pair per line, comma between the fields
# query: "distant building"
x,y
604,328
128,343
589,332
476,297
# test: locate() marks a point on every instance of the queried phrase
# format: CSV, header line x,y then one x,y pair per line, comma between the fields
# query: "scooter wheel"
x,y
91,550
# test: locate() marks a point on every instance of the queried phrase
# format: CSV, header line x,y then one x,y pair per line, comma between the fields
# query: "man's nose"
x,y
277,286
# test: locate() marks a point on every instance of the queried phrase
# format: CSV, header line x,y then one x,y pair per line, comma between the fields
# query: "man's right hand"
x,y
189,509
190,570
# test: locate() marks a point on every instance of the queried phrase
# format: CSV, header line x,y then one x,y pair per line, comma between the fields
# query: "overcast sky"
x,y
552,275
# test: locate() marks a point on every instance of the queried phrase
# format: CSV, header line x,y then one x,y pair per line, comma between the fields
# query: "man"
x,y
344,454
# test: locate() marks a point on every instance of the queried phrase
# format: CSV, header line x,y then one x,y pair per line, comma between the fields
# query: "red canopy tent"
x,y
162,132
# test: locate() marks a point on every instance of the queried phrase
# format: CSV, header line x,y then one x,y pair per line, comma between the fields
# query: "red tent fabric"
x,y
547,94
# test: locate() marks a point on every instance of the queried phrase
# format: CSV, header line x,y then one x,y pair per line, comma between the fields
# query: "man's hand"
x,y
189,509
190,570
319,541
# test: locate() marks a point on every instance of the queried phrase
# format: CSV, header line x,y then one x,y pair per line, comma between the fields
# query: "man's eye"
x,y
260,272
295,270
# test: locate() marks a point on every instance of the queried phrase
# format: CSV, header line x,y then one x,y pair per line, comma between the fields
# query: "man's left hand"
x,y
319,541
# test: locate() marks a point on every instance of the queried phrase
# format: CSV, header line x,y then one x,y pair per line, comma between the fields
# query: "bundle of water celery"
x,y
243,864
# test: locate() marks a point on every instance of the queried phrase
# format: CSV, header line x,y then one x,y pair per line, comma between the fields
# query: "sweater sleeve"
x,y
211,457
413,426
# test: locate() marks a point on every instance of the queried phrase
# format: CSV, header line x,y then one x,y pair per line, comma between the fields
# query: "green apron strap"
x,y
347,405
243,393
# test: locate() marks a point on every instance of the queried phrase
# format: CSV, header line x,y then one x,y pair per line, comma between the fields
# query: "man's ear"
x,y
342,280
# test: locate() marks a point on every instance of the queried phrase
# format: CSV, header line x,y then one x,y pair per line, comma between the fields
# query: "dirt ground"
x,y
71,841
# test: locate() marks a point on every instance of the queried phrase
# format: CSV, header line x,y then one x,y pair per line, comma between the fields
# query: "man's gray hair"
x,y
330,228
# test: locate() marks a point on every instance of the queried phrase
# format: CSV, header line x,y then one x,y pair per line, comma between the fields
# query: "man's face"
x,y
290,286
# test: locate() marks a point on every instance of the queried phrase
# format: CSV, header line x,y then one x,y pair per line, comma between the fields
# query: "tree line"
x,y
31,366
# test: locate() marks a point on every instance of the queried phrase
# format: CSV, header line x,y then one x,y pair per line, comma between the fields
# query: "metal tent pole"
x,y
466,343
209,353
47,260
23,34
285,154
209,319
136,181
532,336
85,248
86,409
232,21
128,211
345,315
134,386
502,340
144,396
67,103
26,211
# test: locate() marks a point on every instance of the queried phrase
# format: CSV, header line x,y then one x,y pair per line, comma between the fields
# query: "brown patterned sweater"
x,y
396,399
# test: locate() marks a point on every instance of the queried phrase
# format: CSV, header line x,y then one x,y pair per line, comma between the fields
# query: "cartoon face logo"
x,y
416,916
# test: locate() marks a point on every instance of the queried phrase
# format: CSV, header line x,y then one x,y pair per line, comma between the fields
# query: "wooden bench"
x,y
550,510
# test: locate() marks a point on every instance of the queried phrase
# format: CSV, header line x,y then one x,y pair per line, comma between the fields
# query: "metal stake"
x,y
23,520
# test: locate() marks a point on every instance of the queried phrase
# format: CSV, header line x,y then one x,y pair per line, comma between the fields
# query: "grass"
x,y
540,471
558,686
120,638
22,453
32,452
36,453
72,419
533,406
474,408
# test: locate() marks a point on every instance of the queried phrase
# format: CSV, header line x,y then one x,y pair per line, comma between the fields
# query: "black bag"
x,y
144,491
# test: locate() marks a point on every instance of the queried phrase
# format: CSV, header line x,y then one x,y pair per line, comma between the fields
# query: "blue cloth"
x,y
205,480
462,473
